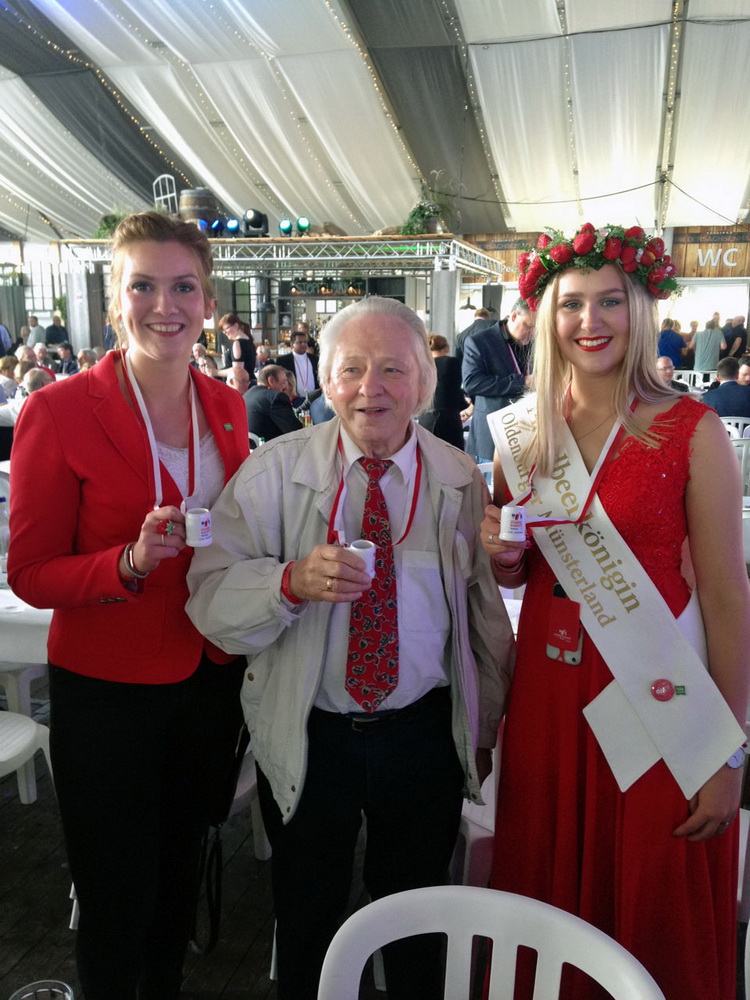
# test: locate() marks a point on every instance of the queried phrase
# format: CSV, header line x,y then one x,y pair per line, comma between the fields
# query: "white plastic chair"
x,y
735,425
20,738
15,679
508,920
254,439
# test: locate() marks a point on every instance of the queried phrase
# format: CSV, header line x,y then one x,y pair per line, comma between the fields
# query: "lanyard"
x,y
607,453
194,455
336,533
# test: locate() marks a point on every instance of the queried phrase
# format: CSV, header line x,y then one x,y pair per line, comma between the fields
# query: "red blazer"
x,y
80,492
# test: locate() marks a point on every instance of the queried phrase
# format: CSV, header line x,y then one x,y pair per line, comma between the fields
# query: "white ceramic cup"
x,y
512,524
198,527
366,551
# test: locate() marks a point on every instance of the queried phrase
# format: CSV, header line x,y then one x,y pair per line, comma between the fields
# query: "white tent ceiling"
x,y
522,114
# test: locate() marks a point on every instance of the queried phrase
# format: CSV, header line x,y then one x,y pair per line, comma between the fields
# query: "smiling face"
x,y
162,301
375,383
592,320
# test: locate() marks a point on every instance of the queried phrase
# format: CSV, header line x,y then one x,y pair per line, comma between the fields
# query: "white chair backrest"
x,y
742,450
465,912
735,425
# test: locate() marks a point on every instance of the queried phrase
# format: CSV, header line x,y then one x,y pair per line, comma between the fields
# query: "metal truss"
x,y
312,256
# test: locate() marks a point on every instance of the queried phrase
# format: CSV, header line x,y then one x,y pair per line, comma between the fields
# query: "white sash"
x,y
628,621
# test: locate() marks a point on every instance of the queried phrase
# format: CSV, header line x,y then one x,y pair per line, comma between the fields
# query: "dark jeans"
x,y
405,776
137,768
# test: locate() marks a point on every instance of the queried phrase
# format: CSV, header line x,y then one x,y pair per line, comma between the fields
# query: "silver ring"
x,y
329,584
489,539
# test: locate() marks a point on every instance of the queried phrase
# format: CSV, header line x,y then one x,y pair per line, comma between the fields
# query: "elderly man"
x,y
238,379
198,351
262,357
269,408
33,380
495,372
42,358
302,365
365,694
665,369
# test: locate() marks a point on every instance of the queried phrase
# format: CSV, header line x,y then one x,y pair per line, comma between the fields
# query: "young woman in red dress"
x,y
641,843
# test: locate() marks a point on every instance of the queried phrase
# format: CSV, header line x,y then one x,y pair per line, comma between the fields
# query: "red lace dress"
x,y
565,833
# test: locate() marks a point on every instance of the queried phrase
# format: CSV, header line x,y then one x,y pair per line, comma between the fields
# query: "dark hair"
x,y
65,346
155,227
728,369
711,324
438,342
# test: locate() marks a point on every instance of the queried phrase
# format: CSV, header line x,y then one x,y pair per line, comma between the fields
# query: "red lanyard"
x,y
336,534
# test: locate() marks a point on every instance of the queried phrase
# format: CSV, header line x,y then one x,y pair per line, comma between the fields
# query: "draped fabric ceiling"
x,y
520,113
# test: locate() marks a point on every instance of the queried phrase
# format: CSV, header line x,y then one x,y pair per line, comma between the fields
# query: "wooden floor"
x,y
35,941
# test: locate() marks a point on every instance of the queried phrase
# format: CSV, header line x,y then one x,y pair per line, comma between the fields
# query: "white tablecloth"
x,y
23,630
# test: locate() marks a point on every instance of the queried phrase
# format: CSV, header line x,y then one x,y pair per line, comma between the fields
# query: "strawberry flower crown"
x,y
637,254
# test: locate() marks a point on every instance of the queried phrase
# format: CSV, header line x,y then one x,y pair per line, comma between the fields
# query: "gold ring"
x,y
162,540
329,584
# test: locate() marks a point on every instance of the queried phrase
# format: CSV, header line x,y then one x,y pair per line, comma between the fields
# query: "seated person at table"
x,y
269,408
35,378
729,399
367,693
665,369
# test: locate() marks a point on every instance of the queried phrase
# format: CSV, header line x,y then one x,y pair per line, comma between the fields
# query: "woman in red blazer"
x,y
144,713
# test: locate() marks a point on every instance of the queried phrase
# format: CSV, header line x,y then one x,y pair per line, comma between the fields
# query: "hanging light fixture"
x,y
467,304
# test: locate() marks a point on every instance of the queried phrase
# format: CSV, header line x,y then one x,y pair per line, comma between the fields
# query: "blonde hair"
x,y
147,227
553,374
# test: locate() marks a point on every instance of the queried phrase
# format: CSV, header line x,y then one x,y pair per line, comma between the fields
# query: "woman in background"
x,y
241,350
444,417
144,713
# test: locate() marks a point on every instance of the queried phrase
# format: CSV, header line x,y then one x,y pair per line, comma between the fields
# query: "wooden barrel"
x,y
197,203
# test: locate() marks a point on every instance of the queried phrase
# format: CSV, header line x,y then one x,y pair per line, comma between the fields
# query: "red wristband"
x,y
286,592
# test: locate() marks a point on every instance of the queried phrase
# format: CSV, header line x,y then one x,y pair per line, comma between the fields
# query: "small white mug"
x,y
512,523
365,550
198,527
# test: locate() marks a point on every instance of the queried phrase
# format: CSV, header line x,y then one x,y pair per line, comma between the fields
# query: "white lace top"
x,y
212,471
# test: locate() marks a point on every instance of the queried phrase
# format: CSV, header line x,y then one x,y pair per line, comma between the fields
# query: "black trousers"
x,y
137,770
404,774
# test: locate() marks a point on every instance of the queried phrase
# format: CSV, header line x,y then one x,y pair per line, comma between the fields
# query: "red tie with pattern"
x,y
372,663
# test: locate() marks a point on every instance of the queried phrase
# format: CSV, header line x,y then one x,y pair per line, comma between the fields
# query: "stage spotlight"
x,y
255,223
285,227
303,225
233,227
217,228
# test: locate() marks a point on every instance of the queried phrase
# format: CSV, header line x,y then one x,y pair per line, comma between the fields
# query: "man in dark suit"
x,y
729,399
481,322
269,409
302,365
496,372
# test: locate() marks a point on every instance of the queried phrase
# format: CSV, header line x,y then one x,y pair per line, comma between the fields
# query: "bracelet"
x,y
285,591
128,553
